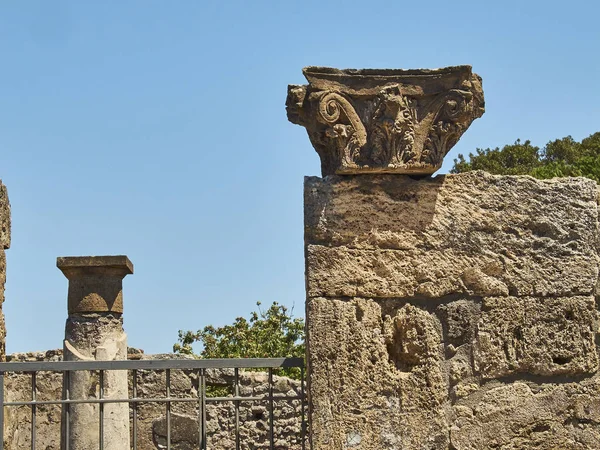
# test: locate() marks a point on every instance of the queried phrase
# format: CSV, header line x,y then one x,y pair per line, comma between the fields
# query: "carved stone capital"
x,y
387,121
95,282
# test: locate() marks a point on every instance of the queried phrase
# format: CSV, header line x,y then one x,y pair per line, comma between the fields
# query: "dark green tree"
x,y
559,158
270,333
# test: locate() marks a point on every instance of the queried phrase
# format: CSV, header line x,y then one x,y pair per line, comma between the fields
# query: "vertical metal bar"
x,y
67,417
198,374
1,410
271,413
134,395
33,408
302,407
237,409
101,406
202,393
168,392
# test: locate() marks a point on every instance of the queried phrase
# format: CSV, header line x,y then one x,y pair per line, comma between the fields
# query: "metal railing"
x,y
199,366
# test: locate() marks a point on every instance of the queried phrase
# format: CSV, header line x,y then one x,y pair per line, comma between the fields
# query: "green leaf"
x,y
270,333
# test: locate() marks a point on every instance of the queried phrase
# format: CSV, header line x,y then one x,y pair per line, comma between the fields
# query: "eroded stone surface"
x,y
388,377
99,337
459,312
5,221
95,282
400,121
523,416
548,336
94,332
473,233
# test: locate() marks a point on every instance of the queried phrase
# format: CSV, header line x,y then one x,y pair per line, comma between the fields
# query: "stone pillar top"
x,y
95,282
95,263
385,120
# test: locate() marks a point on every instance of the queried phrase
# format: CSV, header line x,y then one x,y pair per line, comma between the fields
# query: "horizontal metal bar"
x,y
151,400
151,364
251,399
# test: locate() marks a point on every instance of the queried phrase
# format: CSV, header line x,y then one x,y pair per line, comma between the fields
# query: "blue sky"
x,y
158,130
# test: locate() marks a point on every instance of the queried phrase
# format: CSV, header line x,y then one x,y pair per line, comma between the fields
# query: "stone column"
x,y
455,312
94,331
4,244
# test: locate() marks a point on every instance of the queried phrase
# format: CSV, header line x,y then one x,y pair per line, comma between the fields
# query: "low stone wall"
x,y
253,416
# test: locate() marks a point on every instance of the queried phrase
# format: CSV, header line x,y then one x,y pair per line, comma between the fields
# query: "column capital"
x,y
95,282
385,121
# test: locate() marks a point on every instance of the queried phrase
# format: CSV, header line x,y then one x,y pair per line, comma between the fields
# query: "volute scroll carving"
x,y
392,121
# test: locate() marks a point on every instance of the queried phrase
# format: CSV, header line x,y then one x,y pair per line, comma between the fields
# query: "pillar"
x,y
94,331
456,311
4,244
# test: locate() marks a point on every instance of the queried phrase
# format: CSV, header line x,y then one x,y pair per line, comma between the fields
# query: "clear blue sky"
x,y
158,130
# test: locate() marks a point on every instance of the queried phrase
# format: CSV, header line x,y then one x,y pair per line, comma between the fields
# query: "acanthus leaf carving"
x,y
390,121
344,127
393,129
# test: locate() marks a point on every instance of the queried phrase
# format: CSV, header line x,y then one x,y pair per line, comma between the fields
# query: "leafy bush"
x,y
560,158
271,333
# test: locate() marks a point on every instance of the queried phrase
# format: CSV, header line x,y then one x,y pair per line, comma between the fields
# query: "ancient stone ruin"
x,y
4,244
94,331
395,121
455,312
151,426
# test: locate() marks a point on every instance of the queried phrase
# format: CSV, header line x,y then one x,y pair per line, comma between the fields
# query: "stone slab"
x,y
521,416
539,336
381,376
120,262
347,272
375,384
472,233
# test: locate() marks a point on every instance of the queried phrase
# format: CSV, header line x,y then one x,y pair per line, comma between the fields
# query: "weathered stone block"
x,y
460,318
95,282
472,233
376,382
519,416
547,336
481,316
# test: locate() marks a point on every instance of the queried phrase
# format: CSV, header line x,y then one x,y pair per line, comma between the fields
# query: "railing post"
x,y
94,331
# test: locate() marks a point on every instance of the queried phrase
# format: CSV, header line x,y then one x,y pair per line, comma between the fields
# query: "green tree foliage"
x,y
271,333
560,158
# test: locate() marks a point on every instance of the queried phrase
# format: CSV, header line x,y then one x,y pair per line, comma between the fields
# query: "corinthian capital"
x,y
387,121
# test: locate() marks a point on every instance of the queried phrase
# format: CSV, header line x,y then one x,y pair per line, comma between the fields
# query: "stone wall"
x,y
4,244
253,417
455,312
